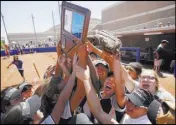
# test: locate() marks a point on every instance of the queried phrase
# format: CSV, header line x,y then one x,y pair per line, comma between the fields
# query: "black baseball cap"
x,y
24,86
140,97
153,111
136,66
168,108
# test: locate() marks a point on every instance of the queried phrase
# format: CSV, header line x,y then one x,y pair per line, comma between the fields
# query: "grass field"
x,y
11,76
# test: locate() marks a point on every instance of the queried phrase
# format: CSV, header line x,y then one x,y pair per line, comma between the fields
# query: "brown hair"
x,y
15,56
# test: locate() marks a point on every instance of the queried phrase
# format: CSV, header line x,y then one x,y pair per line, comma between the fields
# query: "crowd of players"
x,y
123,93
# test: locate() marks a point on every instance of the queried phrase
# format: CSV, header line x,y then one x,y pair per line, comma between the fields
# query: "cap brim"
x,y
34,103
97,62
153,111
134,100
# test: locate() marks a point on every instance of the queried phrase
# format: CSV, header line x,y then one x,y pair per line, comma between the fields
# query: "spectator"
x,y
160,54
168,24
7,51
160,24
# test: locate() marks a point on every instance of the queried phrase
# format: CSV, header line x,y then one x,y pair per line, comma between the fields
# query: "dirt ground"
x,y
11,76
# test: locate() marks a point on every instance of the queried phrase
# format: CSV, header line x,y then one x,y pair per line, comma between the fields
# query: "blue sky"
x,y
17,14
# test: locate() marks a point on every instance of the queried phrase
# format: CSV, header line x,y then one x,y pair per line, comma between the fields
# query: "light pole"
x,y
59,6
5,28
54,26
34,30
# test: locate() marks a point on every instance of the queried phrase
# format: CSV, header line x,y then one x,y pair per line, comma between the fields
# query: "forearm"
x,y
65,70
119,85
66,92
58,71
9,64
91,96
62,100
94,104
120,95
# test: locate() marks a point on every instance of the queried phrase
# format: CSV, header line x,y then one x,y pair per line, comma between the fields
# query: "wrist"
x,y
86,80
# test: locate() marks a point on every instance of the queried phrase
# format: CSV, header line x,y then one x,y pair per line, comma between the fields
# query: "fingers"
x,y
87,68
59,59
75,60
75,57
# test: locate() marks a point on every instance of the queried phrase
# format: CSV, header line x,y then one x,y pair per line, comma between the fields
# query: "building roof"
x,y
113,5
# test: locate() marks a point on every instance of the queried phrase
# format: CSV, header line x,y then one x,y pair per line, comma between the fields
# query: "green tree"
x,y
2,44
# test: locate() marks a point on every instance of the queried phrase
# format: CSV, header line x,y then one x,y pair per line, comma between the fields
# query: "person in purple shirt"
x,y
19,65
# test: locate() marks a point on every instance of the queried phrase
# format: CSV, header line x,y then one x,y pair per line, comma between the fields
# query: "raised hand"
x,y
82,74
61,60
50,71
75,62
59,51
83,55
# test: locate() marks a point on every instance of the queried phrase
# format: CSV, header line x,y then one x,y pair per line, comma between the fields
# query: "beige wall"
x,y
129,8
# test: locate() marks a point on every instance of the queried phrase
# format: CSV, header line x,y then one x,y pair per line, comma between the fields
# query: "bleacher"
x,y
149,25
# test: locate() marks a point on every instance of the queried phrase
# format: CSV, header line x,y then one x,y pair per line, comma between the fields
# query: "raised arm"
x,y
129,82
93,100
119,84
65,95
61,62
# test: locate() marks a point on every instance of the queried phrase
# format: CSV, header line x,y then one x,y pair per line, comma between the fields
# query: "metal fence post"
x,y
138,55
